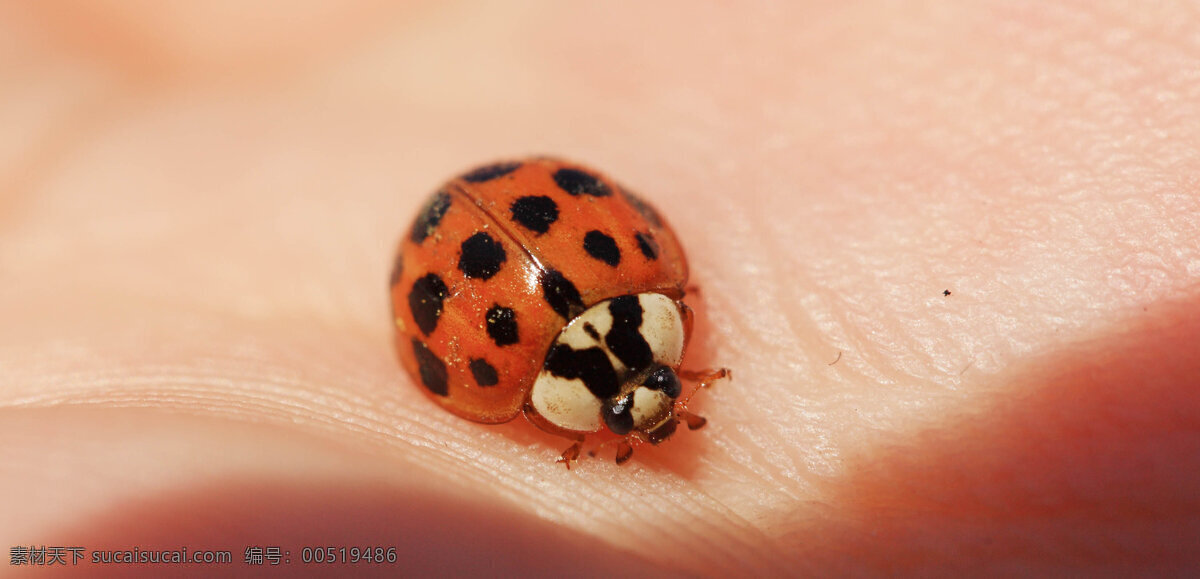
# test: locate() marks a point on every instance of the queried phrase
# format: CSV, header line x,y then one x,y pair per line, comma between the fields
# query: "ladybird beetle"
x,y
541,287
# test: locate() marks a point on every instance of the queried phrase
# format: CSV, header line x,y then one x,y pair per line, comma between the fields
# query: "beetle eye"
x,y
618,414
664,379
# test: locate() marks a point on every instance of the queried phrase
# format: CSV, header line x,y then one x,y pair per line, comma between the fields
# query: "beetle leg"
x,y
570,454
624,448
624,451
705,377
694,421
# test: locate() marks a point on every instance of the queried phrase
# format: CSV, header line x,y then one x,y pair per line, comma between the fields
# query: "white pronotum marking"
x,y
662,327
569,404
566,403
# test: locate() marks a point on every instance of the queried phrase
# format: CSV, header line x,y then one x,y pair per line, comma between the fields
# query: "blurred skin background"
x,y
951,250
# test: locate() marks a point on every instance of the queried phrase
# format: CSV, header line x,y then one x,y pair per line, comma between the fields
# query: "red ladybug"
x,y
542,287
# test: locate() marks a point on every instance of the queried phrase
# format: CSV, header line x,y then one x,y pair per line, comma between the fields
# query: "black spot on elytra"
x,y
425,301
535,212
561,294
602,247
485,374
624,339
431,215
643,208
590,365
481,256
647,244
502,325
576,182
431,369
489,172
590,330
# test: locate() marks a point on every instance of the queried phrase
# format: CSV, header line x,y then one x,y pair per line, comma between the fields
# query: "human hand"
x,y
200,206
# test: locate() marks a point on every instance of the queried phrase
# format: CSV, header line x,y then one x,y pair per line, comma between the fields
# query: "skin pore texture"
x,y
199,205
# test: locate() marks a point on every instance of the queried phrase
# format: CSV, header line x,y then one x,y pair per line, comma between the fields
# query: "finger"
x,y
897,190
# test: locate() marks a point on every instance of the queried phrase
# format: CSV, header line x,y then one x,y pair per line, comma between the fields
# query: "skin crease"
x,y
198,210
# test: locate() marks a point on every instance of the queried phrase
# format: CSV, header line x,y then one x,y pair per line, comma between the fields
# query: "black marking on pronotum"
x,y
590,330
576,182
535,212
431,215
425,301
484,373
602,247
489,172
502,325
431,369
664,379
481,256
590,365
625,339
644,208
561,294
618,414
647,244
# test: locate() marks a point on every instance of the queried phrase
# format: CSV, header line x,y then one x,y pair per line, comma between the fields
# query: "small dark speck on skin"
x,y
835,360
946,293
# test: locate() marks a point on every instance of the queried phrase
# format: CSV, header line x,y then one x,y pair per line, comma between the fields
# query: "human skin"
x,y
199,206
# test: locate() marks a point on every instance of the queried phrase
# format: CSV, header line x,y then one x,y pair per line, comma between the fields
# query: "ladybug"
x,y
541,287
